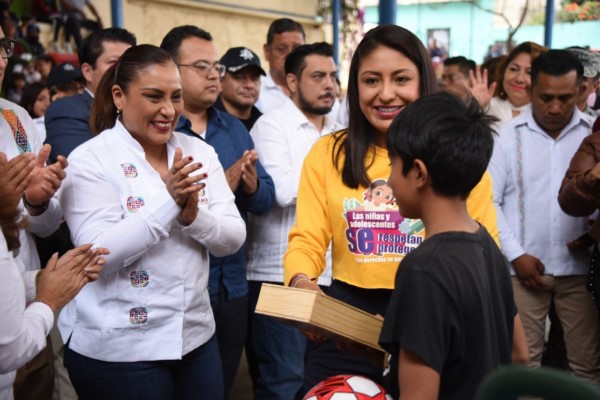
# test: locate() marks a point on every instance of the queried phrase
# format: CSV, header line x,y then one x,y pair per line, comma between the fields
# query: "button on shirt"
x,y
282,138
151,301
527,169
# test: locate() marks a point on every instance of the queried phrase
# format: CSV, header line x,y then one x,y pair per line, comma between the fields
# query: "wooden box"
x,y
319,315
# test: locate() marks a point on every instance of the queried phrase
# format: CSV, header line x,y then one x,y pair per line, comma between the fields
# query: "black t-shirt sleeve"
x,y
418,318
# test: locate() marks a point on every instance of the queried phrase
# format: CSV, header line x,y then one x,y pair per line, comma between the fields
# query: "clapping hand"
x,y
184,187
46,179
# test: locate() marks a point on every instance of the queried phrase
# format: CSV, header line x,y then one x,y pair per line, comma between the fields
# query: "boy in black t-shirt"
x,y
451,316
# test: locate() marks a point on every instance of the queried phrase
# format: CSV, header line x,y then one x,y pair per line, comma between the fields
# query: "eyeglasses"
x,y
205,69
7,46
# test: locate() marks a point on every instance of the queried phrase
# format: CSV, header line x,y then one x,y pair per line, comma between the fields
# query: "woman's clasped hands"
x,y
184,187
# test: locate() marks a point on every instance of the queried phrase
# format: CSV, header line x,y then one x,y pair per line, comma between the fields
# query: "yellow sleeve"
x,y
310,237
480,205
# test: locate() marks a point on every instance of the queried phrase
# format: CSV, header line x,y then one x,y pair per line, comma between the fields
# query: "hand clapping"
x,y
184,187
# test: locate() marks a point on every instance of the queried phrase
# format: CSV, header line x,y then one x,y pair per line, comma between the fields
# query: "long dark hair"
x,y
359,138
135,60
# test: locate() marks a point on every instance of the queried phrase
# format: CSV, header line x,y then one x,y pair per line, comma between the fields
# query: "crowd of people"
x,y
147,193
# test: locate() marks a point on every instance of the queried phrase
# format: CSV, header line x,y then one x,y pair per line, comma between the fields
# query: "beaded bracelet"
x,y
43,302
298,278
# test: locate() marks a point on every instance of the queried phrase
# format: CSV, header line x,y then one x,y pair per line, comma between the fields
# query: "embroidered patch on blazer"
x,y
139,278
134,203
138,315
130,170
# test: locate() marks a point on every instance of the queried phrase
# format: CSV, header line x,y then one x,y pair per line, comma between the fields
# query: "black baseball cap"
x,y
238,58
62,74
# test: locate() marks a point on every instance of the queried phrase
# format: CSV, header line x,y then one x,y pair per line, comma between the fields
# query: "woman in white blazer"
x,y
160,201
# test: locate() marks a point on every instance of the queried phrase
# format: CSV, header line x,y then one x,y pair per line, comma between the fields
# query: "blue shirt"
x,y
230,139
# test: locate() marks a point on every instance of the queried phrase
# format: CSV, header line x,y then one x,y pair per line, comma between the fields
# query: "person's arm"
x,y
93,211
527,267
579,193
273,150
23,332
480,205
520,350
500,169
417,380
311,236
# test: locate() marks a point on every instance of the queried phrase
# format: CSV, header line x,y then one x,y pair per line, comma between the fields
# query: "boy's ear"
x,y
421,173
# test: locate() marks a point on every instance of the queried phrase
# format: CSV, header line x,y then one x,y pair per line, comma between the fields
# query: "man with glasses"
x,y
455,78
283,36
195,54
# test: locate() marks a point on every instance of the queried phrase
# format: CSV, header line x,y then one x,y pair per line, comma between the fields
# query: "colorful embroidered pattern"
x,y
138,315
18,131
130,170
134,203
139,278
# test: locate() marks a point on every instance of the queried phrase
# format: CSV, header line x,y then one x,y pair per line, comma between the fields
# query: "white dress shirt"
x,y
151,301
23,330
271,96
46,223
282,139
527,169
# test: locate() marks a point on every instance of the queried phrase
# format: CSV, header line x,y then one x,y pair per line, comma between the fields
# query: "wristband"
x,y
42,207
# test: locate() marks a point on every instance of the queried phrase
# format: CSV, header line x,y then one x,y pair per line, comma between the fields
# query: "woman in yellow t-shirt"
x,y
342,197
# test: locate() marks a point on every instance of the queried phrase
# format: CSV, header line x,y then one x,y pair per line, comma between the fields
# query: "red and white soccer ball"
x,y
347,387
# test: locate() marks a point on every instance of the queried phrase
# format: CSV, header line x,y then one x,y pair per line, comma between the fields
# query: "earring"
x,y
118,111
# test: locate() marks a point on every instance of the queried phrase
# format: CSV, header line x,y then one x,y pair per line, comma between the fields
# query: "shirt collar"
x,y
214,122
133,144
577,119
297,118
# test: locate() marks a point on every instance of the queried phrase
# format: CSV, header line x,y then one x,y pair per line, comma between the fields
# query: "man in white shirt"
x,y
42,210
530,158
283,137
283,36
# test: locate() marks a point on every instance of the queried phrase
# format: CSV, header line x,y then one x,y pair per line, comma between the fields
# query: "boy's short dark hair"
x,y
453,139
93,45
283,25
295,62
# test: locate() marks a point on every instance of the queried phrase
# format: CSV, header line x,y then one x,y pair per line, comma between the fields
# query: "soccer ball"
x,y
347,387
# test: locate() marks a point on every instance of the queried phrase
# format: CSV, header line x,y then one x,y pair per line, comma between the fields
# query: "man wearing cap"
x,y
240,86
64,80
195,55
591,78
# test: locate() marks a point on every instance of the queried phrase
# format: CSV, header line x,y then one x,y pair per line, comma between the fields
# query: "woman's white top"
x,y
23,330
151,301
503,110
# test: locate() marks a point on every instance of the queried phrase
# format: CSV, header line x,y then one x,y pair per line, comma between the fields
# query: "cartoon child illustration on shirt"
x,y
378,197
